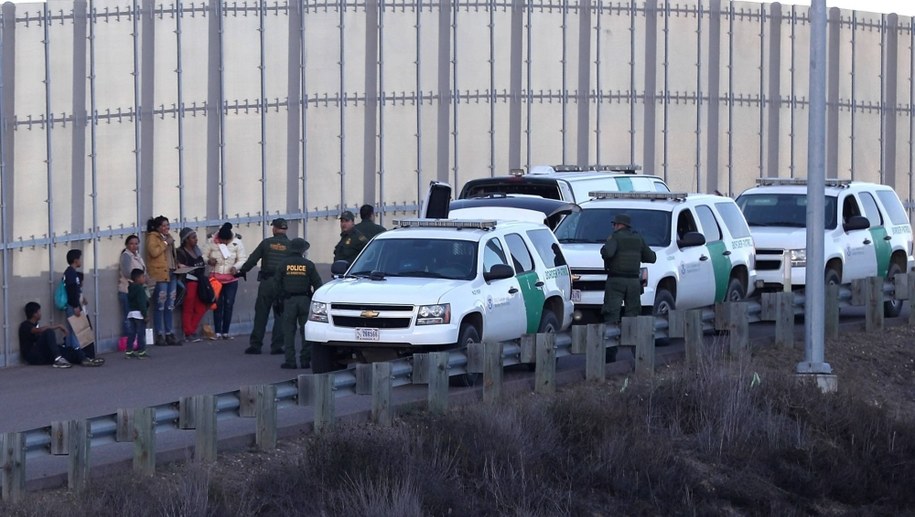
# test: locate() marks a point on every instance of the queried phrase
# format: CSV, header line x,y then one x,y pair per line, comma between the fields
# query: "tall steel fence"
x,y
115,111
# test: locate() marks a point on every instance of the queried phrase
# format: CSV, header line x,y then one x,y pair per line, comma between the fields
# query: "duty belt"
x,y
622,275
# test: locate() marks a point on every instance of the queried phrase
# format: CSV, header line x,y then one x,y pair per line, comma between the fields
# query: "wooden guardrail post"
x,y
873,304
124,431
144,441
638,332
910,289
579,338
381,394
438,382
474,358
247,401
733,318
831,311
420,373
364,378
323,402
12,467
595,352
265,429
205,435
693,336
492,372
528,347
186,413
779,307
545,375
78,450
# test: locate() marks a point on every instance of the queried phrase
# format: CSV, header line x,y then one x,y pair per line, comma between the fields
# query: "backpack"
x,y
205,291
60,296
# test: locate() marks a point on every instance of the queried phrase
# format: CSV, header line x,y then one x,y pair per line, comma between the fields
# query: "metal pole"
x,y
492,90
565,89
4,224
222,109
599,96
793,104
730,99
816,198
381,102
261,12
93,161
666,84
456,96
341,5
911,112
530,84
632,10
762,83
419,104
48,154
179,77
882,97
854,102
699,97
304,100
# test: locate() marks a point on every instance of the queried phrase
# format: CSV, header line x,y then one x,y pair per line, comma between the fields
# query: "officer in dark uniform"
x,y
368,227
296,280
351,240
623,254
271,252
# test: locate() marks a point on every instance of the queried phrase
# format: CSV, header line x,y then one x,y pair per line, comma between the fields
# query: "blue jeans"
x,y
137,331
164,300
222,316
125,325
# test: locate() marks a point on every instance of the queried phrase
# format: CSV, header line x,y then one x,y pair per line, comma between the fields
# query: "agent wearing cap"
x,y
270,252
623,254
296,280
351,240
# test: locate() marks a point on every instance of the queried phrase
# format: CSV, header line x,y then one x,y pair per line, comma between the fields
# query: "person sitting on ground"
x,y
137,305
38,345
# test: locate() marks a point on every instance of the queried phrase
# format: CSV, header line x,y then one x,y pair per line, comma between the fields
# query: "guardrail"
x,y
200,413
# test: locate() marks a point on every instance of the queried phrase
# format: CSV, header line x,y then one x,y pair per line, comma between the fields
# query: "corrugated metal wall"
x,y
116,111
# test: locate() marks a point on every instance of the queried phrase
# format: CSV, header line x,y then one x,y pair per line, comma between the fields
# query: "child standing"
x,y
137,306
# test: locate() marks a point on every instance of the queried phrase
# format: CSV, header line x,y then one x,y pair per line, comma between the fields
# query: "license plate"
x,y
576,295
368,335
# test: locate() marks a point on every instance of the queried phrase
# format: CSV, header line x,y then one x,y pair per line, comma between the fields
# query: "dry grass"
x,y
730,436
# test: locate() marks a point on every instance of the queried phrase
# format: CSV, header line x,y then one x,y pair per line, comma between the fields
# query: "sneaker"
x,y
90,362
226,336
98,360
288,366
142,355
214,337
60,362
251,350
130,354
160,340
171,340
194,338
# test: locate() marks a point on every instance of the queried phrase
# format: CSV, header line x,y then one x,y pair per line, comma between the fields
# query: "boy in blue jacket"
x,y
137,307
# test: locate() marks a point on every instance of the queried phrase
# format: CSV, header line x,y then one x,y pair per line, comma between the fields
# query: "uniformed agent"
x,y
623,254
296,280
270,252
368,227
351,240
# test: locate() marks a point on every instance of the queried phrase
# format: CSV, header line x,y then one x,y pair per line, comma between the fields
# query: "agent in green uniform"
x,y
296,280
368,227
271,252
351,240
623,254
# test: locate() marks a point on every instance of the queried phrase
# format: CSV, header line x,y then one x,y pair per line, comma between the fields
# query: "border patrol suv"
x,y
434,284
705,252
569,183
867,232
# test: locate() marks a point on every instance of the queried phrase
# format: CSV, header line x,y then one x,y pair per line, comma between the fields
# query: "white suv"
x,y
705,252
867,232
435,284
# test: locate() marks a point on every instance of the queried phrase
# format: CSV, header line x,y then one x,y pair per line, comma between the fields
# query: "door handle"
x,y
887,238
867,241
726,253
539,283
703,257
513,290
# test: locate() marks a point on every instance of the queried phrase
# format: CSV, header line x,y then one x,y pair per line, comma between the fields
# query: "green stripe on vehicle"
x,y
721,268
883,248
533,299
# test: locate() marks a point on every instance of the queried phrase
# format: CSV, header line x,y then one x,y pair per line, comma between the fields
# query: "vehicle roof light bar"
x,y
769,182
516,172
629,168
657,196
476,224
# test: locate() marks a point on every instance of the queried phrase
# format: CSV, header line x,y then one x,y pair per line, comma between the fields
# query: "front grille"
x,y
372,323
769,252
768,265
589,285
370,307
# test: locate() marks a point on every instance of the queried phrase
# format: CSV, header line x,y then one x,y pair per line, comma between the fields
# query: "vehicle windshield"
x,y
425,258
549,191
782,210
593,225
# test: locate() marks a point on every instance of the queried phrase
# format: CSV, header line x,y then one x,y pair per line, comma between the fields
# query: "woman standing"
x,y
161,263
130,260
225,255
192,310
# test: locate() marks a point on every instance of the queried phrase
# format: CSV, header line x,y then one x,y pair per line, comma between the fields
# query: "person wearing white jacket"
x,y
225,253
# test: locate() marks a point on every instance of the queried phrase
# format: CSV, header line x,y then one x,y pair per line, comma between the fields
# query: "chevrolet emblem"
x,y
369,314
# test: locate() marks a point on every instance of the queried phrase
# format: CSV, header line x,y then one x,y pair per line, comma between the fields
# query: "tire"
x,y
322,358
664,302
549,324
832,277
892,307
736,291
468,334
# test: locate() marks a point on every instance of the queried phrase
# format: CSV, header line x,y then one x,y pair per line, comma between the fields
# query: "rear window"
x,y
549,191
733,219
546,246
893,207
593,225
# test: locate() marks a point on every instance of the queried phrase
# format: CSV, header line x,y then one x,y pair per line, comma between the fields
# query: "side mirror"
x,y
339,267
691,239
498,272
856,222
